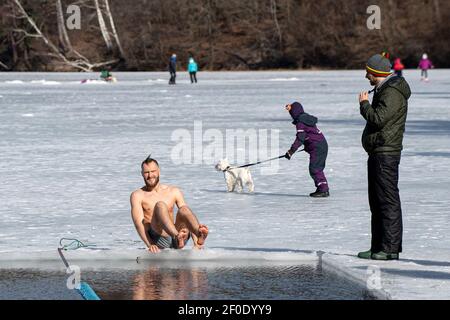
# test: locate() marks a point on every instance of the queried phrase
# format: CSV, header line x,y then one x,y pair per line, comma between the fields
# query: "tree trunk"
x,y
113,28
103,29
273,9
210,36
63,36
12,40
288,12
437,9
26,58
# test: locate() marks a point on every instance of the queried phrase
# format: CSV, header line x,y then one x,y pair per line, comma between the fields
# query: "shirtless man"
x,y
152,212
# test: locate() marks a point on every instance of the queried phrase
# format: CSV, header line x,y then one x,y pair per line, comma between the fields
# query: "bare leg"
x,y
162,220
186,218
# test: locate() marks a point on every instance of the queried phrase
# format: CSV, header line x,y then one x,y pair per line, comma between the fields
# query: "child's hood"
x,y
298,114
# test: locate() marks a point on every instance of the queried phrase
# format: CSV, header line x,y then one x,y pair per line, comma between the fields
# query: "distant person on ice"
x,y
152,210
425,64
315,144
398,67
107,76
193,69
382,139
173,69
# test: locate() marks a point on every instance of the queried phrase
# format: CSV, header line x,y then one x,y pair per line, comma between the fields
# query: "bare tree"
x,y
103,28
273,9
113,28
63,36
288,11
81,64
209,9
437,9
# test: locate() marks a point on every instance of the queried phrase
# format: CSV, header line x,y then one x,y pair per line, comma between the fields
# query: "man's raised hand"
x,y
363,96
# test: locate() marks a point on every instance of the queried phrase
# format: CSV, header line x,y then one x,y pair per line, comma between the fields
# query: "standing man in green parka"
x,y
383,141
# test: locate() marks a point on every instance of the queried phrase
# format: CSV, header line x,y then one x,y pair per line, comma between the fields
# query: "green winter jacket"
x,y
386,117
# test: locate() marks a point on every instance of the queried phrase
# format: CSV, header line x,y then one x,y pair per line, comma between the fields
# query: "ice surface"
x,y
70,156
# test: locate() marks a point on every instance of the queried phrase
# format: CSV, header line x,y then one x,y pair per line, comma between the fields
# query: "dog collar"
x,y
228,168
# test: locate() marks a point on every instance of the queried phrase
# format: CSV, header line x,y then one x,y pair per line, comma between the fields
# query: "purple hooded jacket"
x,y
425,64
307,132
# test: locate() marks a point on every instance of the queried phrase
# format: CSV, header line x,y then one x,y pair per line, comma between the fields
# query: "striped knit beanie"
x,y
379,66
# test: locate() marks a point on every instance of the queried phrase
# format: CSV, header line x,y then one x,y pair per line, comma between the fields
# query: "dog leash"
x,y
260,162
256,163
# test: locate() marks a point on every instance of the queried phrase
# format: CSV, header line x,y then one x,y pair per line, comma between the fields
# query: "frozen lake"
x,y
70,156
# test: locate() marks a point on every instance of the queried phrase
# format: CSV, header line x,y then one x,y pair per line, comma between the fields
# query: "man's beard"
x,y
152,185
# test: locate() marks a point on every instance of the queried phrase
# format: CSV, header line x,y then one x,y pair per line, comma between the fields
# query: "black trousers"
x,y
173,76
193,77
384,200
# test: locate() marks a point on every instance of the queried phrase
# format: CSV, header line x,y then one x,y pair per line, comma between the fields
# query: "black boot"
x,y
320,194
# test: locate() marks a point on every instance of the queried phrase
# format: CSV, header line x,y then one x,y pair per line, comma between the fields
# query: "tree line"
x,y
222,35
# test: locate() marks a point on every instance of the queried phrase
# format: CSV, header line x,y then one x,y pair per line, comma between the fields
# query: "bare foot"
x,y
202,234
181,238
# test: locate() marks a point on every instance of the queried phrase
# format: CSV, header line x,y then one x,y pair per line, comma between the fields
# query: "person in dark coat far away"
x,y
173,69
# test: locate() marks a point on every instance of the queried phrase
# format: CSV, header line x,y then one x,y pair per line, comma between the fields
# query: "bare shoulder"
x,y
137,194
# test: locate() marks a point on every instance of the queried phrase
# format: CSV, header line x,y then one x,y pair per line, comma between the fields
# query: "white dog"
x,y
236,177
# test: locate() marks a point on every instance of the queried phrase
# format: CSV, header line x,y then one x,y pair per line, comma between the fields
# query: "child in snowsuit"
x,y
425,65
315,144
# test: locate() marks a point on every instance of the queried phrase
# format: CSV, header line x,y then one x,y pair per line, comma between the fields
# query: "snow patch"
x,y
45,82
94,82
15,82
285,79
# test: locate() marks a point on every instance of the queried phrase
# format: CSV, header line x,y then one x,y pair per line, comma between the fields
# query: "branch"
x,y
106,63
80,56
4,66
28,34
235,55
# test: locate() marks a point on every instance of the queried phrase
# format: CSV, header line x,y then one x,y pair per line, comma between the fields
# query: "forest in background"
x,y
140,35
